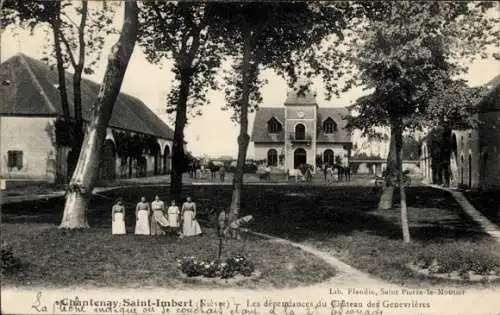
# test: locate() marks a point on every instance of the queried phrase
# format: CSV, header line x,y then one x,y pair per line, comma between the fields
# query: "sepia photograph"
x,y
250,157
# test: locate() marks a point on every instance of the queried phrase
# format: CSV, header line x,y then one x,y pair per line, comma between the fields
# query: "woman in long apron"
x,y
190,226
142,212
158,221
118,218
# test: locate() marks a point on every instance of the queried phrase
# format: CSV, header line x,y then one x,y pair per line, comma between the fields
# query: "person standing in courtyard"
x,y
173,213
142,212
158,220
222,173
268,173
190,226
118,218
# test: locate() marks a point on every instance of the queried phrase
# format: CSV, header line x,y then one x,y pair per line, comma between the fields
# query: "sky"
x,y
213,133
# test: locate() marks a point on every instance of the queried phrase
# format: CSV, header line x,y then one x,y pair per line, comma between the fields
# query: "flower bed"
x,y
228,268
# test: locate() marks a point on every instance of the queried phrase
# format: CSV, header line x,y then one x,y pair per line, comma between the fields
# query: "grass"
x,y
95,258
488,203
342,220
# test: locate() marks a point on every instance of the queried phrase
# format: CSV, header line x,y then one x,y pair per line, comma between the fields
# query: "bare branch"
x,y
81,35
72,22
68,48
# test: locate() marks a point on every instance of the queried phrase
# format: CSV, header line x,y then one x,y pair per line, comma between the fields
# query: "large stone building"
x,y
30,106
474,162
300,133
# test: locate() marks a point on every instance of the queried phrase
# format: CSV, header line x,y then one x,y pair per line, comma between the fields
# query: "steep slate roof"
x,y
29,87
262,116
337,114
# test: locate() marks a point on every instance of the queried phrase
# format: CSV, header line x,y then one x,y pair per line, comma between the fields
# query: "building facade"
x,y
301,133
474,162
29,110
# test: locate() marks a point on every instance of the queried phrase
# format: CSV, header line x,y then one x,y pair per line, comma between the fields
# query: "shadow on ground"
x,y
298,213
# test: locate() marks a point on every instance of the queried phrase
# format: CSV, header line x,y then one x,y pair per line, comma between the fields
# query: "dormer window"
x,y
274,126
329,126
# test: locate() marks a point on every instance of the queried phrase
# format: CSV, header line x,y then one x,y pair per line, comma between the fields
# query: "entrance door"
x,y
299,157
328,157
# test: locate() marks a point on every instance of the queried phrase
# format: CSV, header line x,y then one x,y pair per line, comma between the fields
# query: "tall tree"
x,y
86,172
180,31
271,35
407,52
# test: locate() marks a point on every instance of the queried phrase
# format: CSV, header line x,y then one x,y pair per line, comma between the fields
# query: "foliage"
x,y
179,31
229,268
279,34
38,13
136,145
410,54
185,39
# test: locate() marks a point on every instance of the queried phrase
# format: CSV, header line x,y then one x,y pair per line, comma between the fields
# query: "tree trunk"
x,y
77,82
84,177
56,28
186,71
385,202
404,211
243,138
178,154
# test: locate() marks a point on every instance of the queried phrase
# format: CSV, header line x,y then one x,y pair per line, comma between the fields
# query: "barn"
x,y
32,142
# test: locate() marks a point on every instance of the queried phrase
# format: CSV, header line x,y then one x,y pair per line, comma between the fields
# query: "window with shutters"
x,y
15,159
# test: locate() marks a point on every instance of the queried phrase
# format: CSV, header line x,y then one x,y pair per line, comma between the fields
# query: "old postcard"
x,y
253,157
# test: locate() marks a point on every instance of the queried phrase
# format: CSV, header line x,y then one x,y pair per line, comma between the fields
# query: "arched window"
x,y
328,157
300,132
272,157
273,126
329,126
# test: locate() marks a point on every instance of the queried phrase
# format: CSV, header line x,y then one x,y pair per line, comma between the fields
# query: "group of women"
x,y
155,220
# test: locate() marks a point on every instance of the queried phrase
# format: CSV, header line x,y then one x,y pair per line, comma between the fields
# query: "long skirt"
x,y
142,223
158,223
190,227
118,225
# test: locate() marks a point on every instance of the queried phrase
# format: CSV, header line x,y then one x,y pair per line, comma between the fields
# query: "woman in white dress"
x,y
190,226
118,218
142,212
173,217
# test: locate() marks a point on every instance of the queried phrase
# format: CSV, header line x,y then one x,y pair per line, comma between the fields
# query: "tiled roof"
x,y
29,87
262,116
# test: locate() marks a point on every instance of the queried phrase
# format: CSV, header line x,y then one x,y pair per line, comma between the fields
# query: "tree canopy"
x,y
411,55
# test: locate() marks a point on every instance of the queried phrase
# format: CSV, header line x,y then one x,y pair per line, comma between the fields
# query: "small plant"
x,y
238,264
9,262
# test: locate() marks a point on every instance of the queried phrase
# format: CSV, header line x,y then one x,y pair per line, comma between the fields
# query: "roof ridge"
x,y
37,82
